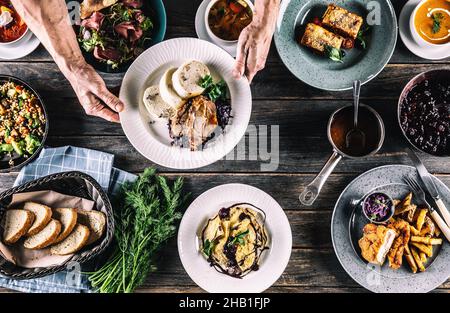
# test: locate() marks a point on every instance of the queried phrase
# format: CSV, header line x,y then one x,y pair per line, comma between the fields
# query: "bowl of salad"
x,y
113,33
23,123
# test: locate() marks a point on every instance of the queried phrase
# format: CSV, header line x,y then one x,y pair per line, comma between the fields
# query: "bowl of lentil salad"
x,y
23,123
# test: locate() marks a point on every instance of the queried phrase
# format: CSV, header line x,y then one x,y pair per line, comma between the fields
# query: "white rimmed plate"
x,y
151,138
22,47
437,53
273,261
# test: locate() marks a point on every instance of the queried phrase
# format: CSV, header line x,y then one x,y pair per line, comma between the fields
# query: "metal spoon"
x,y
355,138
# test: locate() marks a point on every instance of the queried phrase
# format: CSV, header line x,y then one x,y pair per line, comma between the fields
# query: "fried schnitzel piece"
x,y
376,242
403,231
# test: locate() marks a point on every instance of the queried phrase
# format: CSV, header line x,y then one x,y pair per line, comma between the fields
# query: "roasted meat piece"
x,y
196,120
317,38
376,242
342,21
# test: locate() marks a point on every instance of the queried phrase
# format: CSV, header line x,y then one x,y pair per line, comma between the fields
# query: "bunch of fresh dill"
x,y
146,214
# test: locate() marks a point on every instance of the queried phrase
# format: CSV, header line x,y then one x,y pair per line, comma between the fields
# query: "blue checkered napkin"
x,y
54,160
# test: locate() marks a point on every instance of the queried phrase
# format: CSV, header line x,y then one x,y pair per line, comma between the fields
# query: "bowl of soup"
x,y
225,19
430,23
12,26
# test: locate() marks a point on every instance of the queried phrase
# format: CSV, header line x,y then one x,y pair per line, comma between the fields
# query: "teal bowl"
x,y
359,64
157,12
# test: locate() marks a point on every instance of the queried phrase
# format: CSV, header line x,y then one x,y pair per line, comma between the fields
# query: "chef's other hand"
x,y
93,95
254,41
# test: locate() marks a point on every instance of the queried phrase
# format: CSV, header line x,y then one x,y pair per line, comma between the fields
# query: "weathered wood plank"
x,y
275,82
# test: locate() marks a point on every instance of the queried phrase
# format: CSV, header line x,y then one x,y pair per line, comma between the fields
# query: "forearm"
x,y
48,20
267,11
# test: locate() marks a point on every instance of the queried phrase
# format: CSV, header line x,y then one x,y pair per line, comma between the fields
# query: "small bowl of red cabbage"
x,y
378,207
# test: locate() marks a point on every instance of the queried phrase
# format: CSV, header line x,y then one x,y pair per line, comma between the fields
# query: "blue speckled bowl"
x,y
321,72
346,229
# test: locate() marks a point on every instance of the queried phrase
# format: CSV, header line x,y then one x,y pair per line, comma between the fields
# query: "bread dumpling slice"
x,y
186,79
16,224
168,94
154,103
42,214
68,219
74,242
45,237
95,221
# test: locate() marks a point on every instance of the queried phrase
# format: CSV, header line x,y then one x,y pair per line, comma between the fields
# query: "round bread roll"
x,y
154,103
168,94
186,79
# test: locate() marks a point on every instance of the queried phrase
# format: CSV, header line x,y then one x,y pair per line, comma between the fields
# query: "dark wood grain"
x,y
275,82
300,111
302,125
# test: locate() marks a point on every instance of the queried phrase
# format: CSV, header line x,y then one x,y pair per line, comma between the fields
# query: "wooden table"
x,y
278,99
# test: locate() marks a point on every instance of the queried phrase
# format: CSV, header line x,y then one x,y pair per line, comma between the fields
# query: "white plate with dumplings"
x,y
157,87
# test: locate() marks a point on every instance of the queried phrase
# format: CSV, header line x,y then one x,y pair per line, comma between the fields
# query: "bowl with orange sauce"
x,y
430,23
12,26
226,19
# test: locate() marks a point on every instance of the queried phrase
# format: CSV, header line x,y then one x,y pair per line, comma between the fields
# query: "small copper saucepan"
x,y
339,124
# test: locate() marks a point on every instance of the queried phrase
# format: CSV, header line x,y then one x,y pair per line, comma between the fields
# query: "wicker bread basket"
x,y
69,183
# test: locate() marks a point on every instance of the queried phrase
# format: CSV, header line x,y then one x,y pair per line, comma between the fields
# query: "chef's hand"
x,y
254,41
92,93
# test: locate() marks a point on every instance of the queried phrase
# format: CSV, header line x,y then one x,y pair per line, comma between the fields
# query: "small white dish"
x,y
202,33
19,48
425,52
151,138
273,261
415,34
215,38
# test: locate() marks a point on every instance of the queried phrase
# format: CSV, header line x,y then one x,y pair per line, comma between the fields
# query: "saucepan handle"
x,y
311,192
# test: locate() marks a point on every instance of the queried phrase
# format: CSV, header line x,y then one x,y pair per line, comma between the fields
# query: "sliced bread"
x,y
45,237
42,213
16,224
68,219
95,221
74,242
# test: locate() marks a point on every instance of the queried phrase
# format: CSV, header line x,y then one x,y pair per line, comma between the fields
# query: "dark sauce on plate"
x,y
425,115
233,269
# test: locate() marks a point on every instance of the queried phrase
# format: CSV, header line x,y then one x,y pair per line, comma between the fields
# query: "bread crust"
x,y
28,222
66,231
81,244
50,240
34,229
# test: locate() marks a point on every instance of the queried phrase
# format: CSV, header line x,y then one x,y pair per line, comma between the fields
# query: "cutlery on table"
x,y
430,186
420,194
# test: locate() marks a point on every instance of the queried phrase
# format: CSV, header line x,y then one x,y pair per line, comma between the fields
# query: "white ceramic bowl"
x,y
216,39
415,34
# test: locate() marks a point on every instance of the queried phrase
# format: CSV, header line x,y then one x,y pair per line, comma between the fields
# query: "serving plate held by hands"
x,y
151,138
346,230
321,72
273,260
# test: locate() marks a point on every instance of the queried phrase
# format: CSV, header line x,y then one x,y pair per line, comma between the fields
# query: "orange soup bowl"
x,y
430,23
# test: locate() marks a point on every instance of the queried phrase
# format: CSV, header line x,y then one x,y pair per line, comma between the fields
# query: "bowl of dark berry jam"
x,y
424,112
